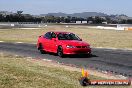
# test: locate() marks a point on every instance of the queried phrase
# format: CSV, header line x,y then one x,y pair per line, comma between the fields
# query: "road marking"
x,y
121,76
19,42
29,28
1,41
104,72
33,43
47,60
105,48
112,48
16,55
29,57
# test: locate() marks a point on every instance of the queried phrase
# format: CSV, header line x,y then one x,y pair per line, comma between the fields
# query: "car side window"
x,y
53,35
47,35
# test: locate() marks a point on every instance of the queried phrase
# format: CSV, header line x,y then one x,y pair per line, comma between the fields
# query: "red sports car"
x,y
62,43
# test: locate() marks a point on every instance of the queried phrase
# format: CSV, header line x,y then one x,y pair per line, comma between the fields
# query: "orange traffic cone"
x,y
84,80
84,73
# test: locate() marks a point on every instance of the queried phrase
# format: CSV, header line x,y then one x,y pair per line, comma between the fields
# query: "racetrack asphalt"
x,y
116,61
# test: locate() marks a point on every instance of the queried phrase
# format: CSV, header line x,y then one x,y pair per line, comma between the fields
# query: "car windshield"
x,y
69,36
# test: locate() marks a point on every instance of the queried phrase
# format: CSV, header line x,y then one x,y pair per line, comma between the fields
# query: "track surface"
x,y
117,61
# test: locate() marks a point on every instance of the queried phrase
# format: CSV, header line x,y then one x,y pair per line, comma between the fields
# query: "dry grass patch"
x,y
97,38
21,72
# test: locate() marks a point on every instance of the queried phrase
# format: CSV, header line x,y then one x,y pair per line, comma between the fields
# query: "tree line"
x,y
19,17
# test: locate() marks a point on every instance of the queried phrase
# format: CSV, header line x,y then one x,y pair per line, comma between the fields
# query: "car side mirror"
x,y
40,36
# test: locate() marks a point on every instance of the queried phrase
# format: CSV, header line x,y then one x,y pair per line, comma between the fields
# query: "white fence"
x,y
118,27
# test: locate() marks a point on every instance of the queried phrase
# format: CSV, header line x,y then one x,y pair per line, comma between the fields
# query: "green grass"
x,y
96,37
20,72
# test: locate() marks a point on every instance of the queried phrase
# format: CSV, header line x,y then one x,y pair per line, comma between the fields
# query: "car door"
x,y
46,43
53,42
50,42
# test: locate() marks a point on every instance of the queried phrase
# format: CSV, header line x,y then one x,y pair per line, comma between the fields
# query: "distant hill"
x,y
84,14
88,14
55,14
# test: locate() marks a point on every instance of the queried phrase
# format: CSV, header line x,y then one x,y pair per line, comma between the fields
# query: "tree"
x,y
129,21
19,12
62,19
74,19
57,19
49,19
2,18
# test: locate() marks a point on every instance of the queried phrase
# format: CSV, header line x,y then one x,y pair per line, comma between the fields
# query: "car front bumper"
x,y
77,51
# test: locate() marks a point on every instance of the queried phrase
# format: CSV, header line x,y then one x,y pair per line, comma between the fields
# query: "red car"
x,y
62,43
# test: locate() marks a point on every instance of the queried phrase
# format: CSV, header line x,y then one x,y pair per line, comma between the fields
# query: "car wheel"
x,y
41,49
60,51
88,55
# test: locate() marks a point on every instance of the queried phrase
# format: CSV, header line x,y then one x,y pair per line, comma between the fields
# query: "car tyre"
x,y
41,49
88,55
60,52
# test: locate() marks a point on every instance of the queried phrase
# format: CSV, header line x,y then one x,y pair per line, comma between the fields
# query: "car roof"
x,y
58,32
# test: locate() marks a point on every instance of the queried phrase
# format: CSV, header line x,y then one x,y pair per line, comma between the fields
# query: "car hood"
x,y
74,42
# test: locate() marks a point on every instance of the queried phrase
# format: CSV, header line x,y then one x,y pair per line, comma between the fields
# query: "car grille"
x,y
81,46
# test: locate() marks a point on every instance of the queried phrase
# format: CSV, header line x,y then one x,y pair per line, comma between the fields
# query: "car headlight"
x,y
70,46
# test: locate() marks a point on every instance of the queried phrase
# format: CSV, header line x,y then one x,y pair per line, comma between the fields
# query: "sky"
x,y
37,7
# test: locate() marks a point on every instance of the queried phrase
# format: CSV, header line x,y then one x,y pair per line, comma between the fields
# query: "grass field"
x,y
97,38
22,72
